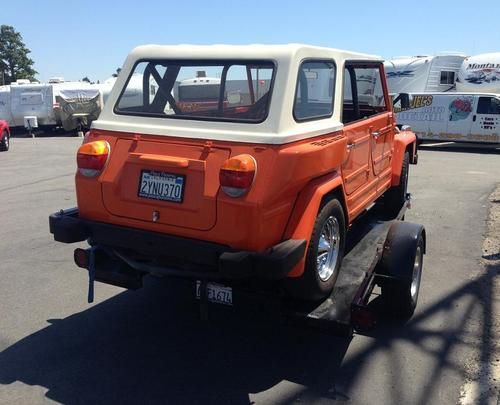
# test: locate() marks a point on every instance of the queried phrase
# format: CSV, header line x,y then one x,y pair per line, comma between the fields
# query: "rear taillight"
x,y
92,157
237,175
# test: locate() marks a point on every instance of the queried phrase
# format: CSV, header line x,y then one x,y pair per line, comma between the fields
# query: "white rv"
x,y
59,103
418,74
31,100
457,117
480,73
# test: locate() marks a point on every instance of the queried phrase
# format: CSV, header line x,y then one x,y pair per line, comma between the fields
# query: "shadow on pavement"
x,y
149,346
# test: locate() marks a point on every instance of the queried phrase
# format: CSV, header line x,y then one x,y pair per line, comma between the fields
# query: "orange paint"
x,y
282,203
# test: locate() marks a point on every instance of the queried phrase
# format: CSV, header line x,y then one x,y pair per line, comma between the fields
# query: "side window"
x,y
247,85
488,105
447,77
363,93
314,91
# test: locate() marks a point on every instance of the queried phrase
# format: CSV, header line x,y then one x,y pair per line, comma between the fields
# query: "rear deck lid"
x,y
164,182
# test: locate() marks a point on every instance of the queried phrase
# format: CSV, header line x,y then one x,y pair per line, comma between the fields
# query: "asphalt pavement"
x,y
149,346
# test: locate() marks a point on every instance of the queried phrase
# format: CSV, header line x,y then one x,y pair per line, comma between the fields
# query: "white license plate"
x,y
161,186
217,293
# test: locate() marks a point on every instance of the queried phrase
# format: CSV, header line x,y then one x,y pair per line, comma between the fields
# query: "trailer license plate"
x,y
217,293
161,186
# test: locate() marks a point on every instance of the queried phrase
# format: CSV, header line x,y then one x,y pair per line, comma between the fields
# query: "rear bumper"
x,y
175,255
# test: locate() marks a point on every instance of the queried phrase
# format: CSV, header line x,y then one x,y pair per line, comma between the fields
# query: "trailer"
x,y
48,105
480,73
381,251
416,74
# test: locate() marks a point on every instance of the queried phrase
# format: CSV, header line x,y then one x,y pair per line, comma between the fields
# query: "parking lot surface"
x,y
149,346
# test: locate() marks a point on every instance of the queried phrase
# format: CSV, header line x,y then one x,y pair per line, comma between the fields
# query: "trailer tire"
x,y
5,143
401,268
328,241
395,197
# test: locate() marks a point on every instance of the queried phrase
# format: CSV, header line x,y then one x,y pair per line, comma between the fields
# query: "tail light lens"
x,y
92,157
237,174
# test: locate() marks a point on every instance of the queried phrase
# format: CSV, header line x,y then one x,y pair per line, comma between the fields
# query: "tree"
x,y
86,79
118,70
14,61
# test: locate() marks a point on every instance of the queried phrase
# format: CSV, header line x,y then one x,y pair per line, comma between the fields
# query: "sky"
x,y
74,39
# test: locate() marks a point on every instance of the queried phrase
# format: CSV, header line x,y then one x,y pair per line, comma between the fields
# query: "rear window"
x,y
202,90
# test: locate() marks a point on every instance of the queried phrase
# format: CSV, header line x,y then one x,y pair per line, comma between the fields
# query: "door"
x,y
369,128
485,125
373,107
356,168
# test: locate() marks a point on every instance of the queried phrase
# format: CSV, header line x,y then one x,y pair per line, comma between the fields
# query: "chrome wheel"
x,y
328,249
417,274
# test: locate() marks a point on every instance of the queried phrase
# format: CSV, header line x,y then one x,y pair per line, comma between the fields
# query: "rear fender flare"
x,y
403,141
307,206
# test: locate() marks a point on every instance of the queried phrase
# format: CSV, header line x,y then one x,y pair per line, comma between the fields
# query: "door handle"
x,y
474,118
350,146
376,134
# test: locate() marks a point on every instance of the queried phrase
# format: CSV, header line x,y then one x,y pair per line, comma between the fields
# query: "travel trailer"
x,y
417,74
57,103
457,117
31,100
480,73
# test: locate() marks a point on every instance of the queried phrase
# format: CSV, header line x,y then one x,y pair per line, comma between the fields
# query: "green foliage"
x,y
14,61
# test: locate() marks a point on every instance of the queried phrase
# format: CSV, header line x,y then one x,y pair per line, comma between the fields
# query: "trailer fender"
x,y
403,141
307,206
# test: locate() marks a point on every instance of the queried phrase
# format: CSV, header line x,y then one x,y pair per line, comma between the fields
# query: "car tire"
x,y
402,265
5,143
395,197
324,255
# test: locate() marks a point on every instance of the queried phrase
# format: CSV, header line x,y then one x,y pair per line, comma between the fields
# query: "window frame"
x,y
316,117
490,98
224,63
364,64
448,72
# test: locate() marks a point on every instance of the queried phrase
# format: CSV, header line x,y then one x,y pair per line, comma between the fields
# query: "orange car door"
x,y
359,181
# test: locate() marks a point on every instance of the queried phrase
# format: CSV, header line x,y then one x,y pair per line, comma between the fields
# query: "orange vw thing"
x,y
263,182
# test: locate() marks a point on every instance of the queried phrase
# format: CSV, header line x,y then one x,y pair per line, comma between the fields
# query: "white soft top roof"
x,y
242,52
279,127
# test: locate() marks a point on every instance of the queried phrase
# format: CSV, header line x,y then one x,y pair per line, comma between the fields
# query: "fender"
x,y
402,140
305,211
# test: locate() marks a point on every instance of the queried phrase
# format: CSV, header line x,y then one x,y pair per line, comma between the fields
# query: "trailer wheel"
x,y
395,197
5,144
401,267
324,255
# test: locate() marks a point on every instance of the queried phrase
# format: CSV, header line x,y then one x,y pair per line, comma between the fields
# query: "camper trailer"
x,y
5,111
418,74
480,73
76,104
32,100
457,117
58,103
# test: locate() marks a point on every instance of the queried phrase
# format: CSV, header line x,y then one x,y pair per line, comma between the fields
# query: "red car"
x,y
4,136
